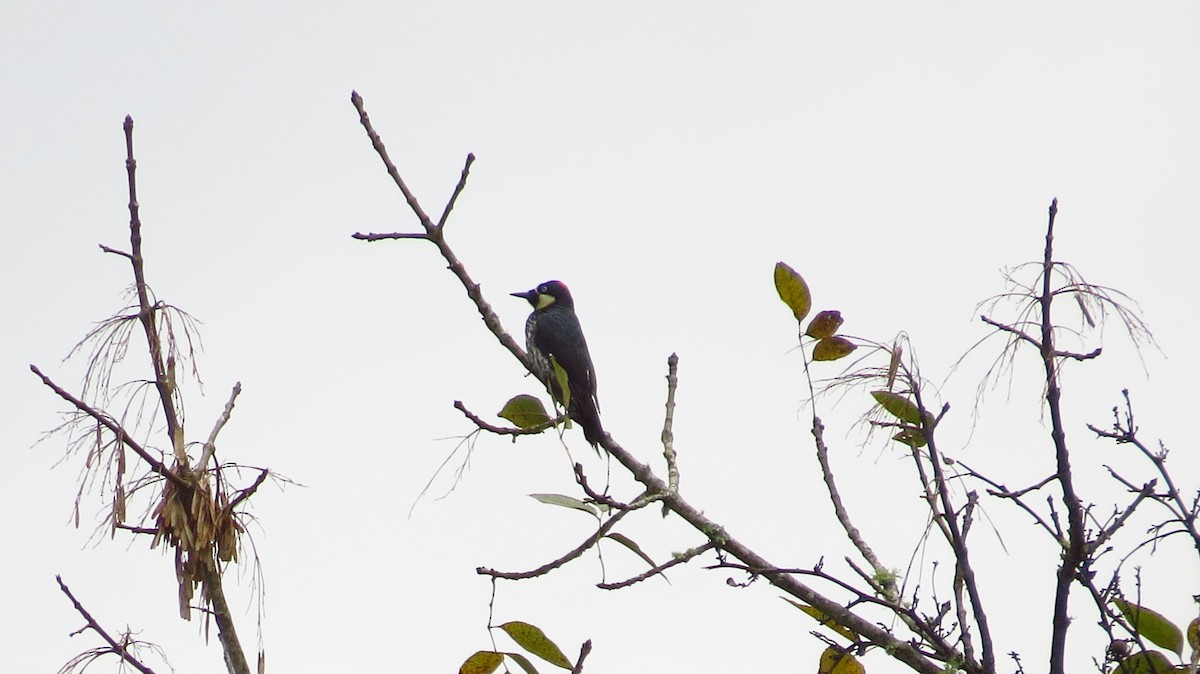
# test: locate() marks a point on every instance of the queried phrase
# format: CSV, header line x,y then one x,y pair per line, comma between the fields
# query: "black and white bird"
x,y
553,335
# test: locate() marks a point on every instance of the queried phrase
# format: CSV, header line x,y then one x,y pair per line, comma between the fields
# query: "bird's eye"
x,y
543,288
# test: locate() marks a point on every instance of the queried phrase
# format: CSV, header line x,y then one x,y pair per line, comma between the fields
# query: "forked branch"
x,y
655,487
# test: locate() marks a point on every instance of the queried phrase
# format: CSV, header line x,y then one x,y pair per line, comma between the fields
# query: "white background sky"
x,y
659,158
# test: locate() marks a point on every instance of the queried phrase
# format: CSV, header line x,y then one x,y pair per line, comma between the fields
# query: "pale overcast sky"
x,y
659,157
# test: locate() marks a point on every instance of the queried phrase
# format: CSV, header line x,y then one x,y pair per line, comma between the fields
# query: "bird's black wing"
x,y
559,335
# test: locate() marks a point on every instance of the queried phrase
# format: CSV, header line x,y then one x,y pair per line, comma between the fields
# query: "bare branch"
x,y
681,558
1146,491
248,491
668,435
462,183
235,659
505,430
114,251
371,236
120,649
432,233
116,429
584,651
550,566
163,367
1014,331
211,445
888,587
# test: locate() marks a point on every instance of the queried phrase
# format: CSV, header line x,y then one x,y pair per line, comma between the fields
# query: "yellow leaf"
x,y
824,324
898,406
838,661
534,640
1146,662
792,290
483,662
560,376
1152,625
825,620
525,411
833,348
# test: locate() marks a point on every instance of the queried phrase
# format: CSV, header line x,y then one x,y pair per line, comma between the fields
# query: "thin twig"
x,y
372,236
602,499
505,430
681,558
462,183
432,233
1010,329
554,564
246,493
1146,491
119,649
210,446
668,434
113,427
584,651
888,587
957,537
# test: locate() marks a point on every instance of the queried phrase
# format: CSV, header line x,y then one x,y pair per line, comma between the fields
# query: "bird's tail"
x,y
588,416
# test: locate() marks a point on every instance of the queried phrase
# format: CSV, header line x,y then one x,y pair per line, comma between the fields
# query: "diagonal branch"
x,y
210,447
120,649
462,184
901,650
434,234
681,558
554,564
113,427
843,516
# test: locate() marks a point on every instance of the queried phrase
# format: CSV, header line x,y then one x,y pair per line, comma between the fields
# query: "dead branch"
x,y
118,648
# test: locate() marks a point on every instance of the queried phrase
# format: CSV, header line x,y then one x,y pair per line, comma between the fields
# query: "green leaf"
x,y
1152,625
637,550
534,640
825,620
898,406
833,348
792,290
913,437
560,376
523,662
525,411
824,324
1193,634
839,661
483,662
1146,662
567,502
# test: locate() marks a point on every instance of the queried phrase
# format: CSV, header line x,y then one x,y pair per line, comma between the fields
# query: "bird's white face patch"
x,y
544,300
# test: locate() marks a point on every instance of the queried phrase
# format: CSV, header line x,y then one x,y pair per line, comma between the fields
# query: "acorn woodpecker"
x,y
552,332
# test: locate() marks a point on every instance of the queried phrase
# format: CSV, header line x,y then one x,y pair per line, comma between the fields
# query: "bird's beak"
x,y
529,296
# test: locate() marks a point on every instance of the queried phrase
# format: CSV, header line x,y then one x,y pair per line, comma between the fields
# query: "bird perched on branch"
x,y
553,336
